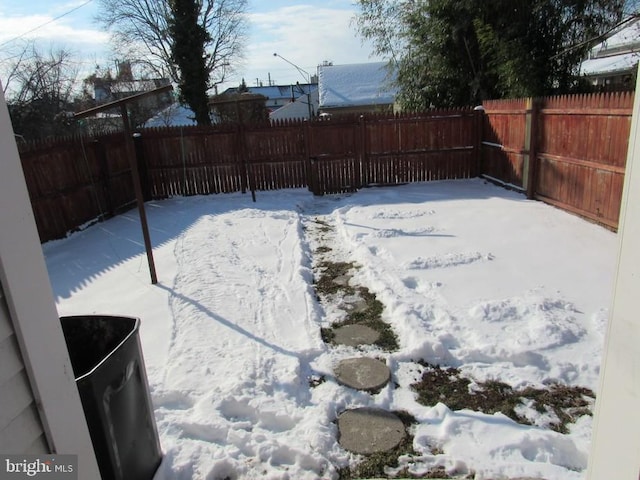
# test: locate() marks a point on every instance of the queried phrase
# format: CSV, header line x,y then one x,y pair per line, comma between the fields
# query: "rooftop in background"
x,y
623,39
612,61
279,95
358,84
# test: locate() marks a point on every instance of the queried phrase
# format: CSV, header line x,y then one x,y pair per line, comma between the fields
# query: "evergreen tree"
x,y
188,52
459,52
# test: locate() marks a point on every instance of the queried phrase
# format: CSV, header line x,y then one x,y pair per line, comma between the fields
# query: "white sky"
x,y
304,33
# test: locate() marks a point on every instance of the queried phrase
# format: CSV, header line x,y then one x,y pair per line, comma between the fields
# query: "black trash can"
x,y
109,370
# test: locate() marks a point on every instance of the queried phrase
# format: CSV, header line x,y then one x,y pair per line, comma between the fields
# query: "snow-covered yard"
x,y
470,275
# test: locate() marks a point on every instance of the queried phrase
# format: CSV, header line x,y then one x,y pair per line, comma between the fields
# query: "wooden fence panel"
x,y
334,147
503,142
71,182
437,145
276,156
581,153
192,161
117,182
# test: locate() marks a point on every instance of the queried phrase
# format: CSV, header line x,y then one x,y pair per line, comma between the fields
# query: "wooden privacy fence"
x,y
76,180
334,156
569,151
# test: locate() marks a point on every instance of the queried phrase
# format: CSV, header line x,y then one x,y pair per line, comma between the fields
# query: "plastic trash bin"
x,y
109,370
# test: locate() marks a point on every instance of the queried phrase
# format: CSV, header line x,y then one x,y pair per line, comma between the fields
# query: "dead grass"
x,y
448,386
328,273
369,315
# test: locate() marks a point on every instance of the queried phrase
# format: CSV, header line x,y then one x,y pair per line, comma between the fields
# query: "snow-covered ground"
x,y
470,275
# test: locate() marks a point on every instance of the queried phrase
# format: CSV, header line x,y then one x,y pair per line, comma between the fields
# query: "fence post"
x,y
245,165
310,162
362,154
478,167
240,156
530,147
145,184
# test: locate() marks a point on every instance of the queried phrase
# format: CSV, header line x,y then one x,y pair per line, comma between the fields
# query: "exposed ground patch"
x,y
447,385
333,283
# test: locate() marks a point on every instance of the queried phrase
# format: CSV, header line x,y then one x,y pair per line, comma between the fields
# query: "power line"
x,y
45,24
597,37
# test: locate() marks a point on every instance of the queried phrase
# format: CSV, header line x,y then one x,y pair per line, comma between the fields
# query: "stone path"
x,y
361,430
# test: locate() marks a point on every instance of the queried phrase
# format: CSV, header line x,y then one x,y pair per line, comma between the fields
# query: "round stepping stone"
x,y
363,373
369,430
354,335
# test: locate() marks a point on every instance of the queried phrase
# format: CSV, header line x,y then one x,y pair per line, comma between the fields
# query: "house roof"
x,y
355,85
298,109
172,116
279,91
619,52
612,64
629,36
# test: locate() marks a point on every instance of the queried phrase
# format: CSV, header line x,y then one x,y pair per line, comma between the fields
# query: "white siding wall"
x,y
20,426
30,321
615,446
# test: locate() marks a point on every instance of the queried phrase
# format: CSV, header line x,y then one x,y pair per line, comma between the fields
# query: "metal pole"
x,y
135,175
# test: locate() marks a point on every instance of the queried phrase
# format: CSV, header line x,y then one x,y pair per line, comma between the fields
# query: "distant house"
x,y
304,107
108,89
611,64
279,95
355,88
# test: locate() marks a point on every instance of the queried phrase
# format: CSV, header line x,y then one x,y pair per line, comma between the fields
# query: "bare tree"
x,y
140,31
11,62
40,88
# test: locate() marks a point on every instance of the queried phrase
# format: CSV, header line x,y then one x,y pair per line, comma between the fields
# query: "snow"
x,y
614,63
174,115
355,84
470,275
303,107
625,36
616,53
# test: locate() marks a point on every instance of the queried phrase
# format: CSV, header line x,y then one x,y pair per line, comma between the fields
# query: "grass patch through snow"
x,y
451,388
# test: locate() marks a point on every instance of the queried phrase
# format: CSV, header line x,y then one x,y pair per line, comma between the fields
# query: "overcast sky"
x,y
304,33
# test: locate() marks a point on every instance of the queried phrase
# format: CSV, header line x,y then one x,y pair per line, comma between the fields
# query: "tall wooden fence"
x,y
75,181
569,151
334,156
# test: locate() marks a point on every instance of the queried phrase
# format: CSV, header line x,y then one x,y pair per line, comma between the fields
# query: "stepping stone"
x,y
363,373
354,335
342,280
353,303
369,430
